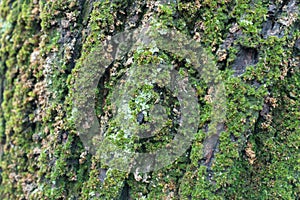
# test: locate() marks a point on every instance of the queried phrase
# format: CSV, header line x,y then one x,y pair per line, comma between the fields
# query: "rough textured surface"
x,y
254,156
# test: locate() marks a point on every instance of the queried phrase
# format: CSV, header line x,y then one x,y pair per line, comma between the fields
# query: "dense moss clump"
x,y
255,153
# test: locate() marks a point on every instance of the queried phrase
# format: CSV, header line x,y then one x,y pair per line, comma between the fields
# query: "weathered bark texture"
x,y
254,155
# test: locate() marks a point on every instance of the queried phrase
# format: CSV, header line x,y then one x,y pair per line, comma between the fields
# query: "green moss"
x,y
43,156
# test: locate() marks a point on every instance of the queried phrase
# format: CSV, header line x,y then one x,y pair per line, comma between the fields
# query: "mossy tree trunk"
x,y
256,45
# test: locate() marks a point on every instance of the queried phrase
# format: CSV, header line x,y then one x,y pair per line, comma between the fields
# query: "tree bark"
x,y
253,152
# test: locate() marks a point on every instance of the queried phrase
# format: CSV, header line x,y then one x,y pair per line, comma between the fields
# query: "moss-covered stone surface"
x,y
256,46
